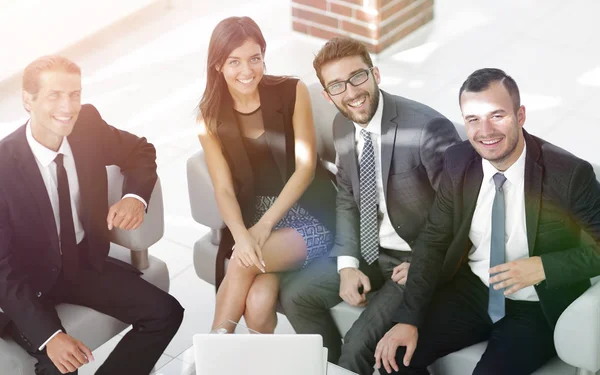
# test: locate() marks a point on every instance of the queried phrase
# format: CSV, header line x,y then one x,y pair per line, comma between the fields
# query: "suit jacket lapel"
x,y
471,187
350,162
389,124
532,189
32,177
275,131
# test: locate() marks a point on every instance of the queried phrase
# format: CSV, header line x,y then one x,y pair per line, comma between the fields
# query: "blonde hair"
x,y
31,75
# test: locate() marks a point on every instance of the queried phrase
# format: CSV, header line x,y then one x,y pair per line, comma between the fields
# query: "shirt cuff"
x,y
136,197
346,261
47,341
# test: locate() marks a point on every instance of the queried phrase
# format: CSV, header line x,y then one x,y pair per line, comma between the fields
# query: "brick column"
x,y
377,23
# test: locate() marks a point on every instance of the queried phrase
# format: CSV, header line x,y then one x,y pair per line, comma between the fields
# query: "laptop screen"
x,y
259,354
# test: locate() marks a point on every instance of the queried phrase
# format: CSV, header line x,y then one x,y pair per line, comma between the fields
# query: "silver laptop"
x,y
259,354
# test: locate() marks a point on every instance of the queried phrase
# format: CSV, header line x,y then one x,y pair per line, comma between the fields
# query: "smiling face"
x,y
244,68
359,103
54,108
493,126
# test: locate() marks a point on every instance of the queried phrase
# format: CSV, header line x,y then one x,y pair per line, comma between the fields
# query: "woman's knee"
x,y
262,298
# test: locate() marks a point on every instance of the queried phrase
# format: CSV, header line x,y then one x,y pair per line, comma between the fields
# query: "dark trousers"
x,y
307,296
519,343
120,292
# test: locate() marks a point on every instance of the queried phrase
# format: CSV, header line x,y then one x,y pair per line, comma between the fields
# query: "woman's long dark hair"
x,y
228,35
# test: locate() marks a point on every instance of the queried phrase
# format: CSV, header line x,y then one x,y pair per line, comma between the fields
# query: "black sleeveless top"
x,y
267,179
251,167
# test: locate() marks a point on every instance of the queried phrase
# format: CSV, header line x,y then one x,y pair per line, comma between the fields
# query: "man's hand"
x,y
517,274
128,214
67,353
350,280
400,335
400,273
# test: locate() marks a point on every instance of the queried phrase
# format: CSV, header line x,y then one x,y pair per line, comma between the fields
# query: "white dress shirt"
x,y
388,238
44,158
516,228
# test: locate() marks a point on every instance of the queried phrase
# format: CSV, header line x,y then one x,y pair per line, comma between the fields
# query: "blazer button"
x,y
54,269
39,294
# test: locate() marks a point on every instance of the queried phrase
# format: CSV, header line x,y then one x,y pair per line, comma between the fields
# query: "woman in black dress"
x,y
277,202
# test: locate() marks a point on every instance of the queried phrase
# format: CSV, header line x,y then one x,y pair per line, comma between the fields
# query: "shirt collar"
x,y
374,126
44,155
514,174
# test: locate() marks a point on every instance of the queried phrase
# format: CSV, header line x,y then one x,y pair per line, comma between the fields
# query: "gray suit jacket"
x,y
414,138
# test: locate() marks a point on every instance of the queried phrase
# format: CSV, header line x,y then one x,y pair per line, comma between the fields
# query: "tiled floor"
x,y
146,75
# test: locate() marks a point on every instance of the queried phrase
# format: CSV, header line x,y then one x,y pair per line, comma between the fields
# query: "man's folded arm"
x,y
134,155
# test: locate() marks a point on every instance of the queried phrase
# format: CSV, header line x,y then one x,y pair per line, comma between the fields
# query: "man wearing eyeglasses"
x,y
389,160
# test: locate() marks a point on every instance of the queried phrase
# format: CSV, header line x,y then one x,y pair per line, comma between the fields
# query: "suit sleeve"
x,y
347,216
578,264
436,136
134,155
17,298
428,255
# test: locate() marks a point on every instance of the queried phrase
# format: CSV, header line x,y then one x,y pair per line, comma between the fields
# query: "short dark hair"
x,y
338,48
481,79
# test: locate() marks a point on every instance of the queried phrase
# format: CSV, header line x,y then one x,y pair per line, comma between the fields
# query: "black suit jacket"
x,y
562,198
30,259
414,138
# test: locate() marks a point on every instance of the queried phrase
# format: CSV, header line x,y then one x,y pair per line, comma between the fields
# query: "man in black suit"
x,y
54,223
501,254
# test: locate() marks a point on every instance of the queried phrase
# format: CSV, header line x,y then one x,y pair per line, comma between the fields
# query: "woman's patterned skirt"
x,y
316,235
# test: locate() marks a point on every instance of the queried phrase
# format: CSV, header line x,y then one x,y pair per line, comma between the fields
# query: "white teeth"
x,y
357,103
246,81
491,142
63,118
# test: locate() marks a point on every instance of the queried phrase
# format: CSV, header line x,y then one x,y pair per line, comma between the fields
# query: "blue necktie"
x,y
496,304
369,236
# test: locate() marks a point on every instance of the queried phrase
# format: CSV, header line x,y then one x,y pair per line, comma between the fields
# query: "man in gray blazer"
x,y
389,160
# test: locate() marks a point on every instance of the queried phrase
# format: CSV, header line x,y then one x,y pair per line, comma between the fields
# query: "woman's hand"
x,y
260,232
247,251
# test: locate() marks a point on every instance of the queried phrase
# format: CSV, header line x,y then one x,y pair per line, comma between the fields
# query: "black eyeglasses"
x,y
357,79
